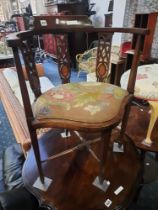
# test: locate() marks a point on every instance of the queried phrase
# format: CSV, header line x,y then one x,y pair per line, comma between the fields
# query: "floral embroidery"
x,y
64,104
109,89
58,96
80,102
118,93
92,109
146,86
44,111
62,95
104,104
147,69
141,76
86,98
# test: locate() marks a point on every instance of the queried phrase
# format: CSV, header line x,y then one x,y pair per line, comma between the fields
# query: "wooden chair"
x,y
87,107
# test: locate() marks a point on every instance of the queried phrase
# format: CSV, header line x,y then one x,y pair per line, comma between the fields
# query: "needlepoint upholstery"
x,y
146,86
89,102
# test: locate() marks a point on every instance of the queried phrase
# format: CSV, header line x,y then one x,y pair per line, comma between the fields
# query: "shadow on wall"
x,y
97,21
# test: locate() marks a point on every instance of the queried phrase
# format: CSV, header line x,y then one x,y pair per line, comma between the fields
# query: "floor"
x,y
51,71
6,135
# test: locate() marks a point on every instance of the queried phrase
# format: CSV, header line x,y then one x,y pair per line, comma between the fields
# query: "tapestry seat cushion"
x,y
146,86
89,102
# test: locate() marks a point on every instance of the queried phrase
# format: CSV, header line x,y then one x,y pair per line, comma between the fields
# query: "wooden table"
x,y
136,129
146,88
74,173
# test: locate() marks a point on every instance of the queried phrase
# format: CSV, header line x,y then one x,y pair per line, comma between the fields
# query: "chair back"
x,y
24,41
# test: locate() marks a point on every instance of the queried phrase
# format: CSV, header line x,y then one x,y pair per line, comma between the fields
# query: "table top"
x,y
74,173
146,86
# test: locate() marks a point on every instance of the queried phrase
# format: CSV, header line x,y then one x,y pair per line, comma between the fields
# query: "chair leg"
x,y
36,150
124,124
106,142
100,181
153,118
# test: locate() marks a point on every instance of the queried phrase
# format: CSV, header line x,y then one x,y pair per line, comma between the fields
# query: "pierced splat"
x,y
63,58
31,70
103,56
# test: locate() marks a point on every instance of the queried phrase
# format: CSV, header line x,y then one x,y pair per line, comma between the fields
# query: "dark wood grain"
x,y
145,20
74,173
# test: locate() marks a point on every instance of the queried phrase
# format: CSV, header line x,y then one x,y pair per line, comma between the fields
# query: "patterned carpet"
x,y
51,71
148,196
6,135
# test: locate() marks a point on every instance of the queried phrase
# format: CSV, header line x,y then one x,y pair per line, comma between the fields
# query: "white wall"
x,y
118,17
33,6
101,7
38,7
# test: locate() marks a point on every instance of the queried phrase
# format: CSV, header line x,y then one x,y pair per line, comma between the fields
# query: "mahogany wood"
x,y
108,20
74,8
103,57
135,62
117,69
74,173
31,67
63,58
74,39
145,20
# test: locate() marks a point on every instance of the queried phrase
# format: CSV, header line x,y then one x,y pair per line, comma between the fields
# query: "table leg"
x,y
153,118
